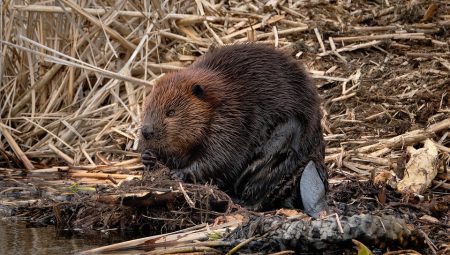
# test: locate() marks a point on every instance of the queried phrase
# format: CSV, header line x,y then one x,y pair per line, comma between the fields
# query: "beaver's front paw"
x,y
148,158
182,175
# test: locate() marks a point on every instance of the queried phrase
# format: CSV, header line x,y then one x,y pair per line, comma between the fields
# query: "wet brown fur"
x,y
249,93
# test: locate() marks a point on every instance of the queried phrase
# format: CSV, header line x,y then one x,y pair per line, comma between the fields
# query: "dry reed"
x,y
74,73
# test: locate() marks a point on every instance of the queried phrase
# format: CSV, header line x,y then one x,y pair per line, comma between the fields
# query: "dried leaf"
x,y
420,169
382,178
228,218
287,212
362,249
429,218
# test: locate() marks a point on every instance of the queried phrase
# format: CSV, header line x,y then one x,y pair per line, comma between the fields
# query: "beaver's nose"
x,y
148,132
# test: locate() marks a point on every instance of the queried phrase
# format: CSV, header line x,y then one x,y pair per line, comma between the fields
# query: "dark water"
x,y
17,238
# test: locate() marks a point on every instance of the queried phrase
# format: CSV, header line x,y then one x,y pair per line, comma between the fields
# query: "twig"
x,y
239,246
350,47
92,11
411,36
186,196
319,38
16,148
243,31
343,97
429,242
114,34
61,154
180,250
408,138
76,174
75,64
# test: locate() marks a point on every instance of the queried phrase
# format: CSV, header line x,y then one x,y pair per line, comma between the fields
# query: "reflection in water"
x,y
16,238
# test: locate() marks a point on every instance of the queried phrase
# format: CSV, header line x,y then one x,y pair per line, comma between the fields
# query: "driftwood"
x,y
279,233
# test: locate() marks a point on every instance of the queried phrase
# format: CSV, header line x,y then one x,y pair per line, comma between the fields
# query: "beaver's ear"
x,y
198,91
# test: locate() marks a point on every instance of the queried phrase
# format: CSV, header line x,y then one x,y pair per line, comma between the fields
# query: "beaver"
x,y
245,117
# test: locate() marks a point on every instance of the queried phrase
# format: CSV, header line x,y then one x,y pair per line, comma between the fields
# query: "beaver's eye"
x,y
198,91
170,113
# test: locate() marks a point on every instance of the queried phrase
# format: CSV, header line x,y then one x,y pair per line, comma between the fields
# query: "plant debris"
x,y
74,76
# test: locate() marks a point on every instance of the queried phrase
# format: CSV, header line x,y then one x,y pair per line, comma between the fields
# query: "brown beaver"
x,y
247,118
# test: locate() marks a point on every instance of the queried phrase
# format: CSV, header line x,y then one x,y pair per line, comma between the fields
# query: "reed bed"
x,y
74,75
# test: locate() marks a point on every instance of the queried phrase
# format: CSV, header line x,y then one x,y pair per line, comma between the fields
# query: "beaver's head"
x,y
177,113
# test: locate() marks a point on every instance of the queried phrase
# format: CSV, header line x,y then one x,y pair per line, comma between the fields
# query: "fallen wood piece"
x,y
17,203
427,55
186,250
281,32
331,78
277,233
108,168
102,175
190,19
375,160
405,139
343,97
54,169
412,36
350,47
374,28
410,28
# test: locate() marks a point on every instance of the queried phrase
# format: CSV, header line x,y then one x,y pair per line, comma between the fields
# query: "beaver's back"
x,y
265,85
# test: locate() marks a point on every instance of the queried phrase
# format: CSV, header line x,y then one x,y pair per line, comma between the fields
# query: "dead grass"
x,y
73,79
381,69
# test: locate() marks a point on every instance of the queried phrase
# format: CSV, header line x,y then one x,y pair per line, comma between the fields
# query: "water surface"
x,y
16,238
